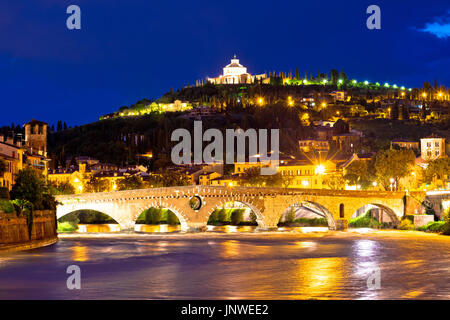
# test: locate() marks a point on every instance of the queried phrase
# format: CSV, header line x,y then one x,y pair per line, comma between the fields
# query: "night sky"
x,y
129,50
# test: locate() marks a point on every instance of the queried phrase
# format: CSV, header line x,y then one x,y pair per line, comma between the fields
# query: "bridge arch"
x,y
182,217
323,211
222,203
389,211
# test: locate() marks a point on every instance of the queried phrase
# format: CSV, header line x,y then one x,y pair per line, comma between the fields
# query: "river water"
x,y
217,265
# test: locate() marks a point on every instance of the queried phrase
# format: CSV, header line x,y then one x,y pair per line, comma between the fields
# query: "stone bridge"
x,y
268,204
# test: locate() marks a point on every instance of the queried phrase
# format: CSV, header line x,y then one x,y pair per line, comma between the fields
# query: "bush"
x,y
290,216
214,217
66,227
435,226
406,224
446,228
6,206
154,216
237,216
312,222
222,215
172,219
253,217
364,221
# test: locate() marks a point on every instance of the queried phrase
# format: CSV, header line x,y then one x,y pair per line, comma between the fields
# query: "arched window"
x,y
341,211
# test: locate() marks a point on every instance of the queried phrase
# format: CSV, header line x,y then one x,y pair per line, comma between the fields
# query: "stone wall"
x,y
14,229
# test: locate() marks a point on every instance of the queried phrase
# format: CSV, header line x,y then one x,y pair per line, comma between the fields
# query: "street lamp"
x,y
320,169
392,180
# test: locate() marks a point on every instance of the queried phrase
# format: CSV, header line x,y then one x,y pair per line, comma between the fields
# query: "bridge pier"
x,y
193,227
341,224
127,225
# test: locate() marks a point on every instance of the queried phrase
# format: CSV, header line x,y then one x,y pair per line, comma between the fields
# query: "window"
x,y
429,144
436,144
437,152
341,211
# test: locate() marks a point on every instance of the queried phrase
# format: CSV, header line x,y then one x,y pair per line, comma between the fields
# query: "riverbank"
x,y
34,244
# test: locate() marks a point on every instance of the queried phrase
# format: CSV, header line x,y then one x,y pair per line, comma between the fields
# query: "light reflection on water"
x,y
216,265
165,228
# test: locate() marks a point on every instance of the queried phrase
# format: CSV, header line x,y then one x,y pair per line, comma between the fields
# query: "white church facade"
x,y
236,73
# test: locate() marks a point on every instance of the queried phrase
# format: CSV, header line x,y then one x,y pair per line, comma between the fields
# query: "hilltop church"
x,y
236,73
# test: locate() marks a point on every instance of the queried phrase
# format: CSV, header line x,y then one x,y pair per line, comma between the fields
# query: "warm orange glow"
x,y
320,169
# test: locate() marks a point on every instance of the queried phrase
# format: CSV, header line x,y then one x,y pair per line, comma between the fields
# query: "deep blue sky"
x,y
129,50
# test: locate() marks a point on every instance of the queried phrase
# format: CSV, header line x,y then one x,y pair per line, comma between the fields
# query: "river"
x,y
218,265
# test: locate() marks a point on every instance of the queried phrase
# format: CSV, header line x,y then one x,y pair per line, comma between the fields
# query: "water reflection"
x,y
158,228
319,277
216,265
84,228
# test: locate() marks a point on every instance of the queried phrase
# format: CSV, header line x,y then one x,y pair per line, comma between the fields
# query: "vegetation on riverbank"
x,y
367,221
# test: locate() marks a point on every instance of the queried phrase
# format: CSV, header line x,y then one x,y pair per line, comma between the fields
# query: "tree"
x,y
393,164
130,183
253,177
290,215
237,216
96,185
343,76
222,215
172,219
61,188
334,75
30,186
334,181
438,168
359,173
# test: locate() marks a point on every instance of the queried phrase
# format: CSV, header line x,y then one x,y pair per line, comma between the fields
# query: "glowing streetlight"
x,y
260,101
366,82
386,85
354,81
324,105
340,81
424,94
320,169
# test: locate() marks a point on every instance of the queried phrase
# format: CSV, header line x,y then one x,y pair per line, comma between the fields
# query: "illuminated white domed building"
x,y
235,73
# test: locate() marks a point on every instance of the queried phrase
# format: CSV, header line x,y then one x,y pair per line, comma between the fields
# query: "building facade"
x,y
236,73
